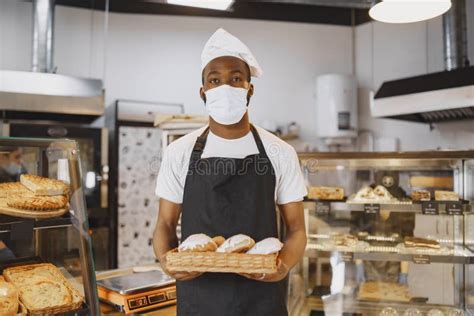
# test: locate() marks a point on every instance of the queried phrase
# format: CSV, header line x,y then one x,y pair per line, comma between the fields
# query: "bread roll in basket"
x,y
185,259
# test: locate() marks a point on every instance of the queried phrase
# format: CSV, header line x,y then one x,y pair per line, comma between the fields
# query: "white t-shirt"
x,y
290,185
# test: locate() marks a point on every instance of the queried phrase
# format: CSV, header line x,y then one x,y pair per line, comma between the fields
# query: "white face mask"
x,y
226,105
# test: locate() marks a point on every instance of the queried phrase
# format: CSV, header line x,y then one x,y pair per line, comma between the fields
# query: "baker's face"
x,y
227,70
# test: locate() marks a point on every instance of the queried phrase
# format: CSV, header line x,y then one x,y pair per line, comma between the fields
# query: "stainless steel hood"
x,y
435,97
42,90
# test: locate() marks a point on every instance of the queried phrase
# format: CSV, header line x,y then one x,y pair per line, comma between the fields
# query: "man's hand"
x,y
180,276
280,274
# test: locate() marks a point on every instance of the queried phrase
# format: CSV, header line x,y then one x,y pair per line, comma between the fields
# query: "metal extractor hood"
x,y
41,90
435,97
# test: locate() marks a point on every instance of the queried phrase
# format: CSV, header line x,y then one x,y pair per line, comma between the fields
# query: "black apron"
x,y
225,197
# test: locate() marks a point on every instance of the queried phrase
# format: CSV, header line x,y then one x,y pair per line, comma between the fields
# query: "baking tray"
x,y
137,282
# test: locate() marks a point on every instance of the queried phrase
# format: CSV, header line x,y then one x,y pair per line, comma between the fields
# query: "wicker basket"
x,y
220,262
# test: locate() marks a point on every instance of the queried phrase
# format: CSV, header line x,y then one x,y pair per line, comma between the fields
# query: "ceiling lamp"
x,y
206,4
408,11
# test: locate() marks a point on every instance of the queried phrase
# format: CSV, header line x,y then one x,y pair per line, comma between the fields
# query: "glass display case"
x,y
388,234
45,244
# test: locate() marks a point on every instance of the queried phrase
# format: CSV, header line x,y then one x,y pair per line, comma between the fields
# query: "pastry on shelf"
x,y
43,289
446,196
44,186
415,242
326,193
379,194
29,201
8,299
420,195
8,188
384,291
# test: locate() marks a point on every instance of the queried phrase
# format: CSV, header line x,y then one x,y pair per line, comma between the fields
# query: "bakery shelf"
x,y
352,306
7,222
458,255
334,206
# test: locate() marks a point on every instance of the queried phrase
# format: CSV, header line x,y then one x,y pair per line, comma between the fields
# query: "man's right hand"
x,y
180,276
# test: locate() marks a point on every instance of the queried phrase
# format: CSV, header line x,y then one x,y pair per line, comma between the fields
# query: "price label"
x,y
372,208
347,256
429,208
421,259
323,208
454,208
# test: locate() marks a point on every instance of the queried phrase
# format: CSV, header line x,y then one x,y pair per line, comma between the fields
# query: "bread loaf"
x,y
446,196
420,195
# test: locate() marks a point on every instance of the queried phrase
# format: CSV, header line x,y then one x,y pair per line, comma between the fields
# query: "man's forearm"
x,y
294,247
164,239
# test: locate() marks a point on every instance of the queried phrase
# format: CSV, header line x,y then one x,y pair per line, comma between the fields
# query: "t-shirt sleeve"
x,y
168,184
291,185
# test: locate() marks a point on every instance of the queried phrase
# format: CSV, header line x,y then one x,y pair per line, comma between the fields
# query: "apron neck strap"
x,y
201,143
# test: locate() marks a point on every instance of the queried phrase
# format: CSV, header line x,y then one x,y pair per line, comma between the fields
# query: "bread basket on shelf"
x,y
220,262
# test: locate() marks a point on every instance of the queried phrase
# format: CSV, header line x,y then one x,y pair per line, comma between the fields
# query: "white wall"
x,y
156,58
387,51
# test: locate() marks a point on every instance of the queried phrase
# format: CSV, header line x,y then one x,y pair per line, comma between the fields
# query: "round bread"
x,y
237,243
45,294
266,246
219,240
198,243
8,299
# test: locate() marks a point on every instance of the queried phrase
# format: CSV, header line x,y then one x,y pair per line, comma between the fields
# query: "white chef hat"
x,y
222,43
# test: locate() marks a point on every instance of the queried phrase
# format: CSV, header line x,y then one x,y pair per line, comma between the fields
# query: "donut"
x,y
198,243
237,243
266,246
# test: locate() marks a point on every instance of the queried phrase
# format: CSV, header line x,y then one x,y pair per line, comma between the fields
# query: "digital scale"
x,y
138,292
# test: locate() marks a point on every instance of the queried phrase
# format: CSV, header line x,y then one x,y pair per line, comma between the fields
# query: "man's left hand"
x,y
280,274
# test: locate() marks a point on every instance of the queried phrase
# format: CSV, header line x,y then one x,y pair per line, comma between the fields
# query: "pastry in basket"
x,y
198,243
43,289
8,299
12,188
29,201
237,243
219,240
266,246
44,186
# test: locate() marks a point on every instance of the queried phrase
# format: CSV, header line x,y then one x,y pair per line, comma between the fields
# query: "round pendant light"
x,y
408,11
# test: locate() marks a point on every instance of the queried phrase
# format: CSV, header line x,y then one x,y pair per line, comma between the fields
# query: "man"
x,y
225,179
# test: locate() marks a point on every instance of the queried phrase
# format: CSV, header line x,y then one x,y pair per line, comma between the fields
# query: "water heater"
x,y
336,107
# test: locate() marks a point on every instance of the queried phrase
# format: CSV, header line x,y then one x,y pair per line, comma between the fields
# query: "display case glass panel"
x,y
388,234
45,243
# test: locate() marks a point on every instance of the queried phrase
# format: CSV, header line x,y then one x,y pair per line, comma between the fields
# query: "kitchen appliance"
x,y
336,107
435,97
138,292
42,91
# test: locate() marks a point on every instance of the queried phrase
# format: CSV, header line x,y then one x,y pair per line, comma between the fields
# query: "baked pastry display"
x,y
219,240
197,243
8,299
326,193
446,196
43,289
44,186
384,291
420,195
28,201
12,188
236,244
414,242
379,194
266,246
